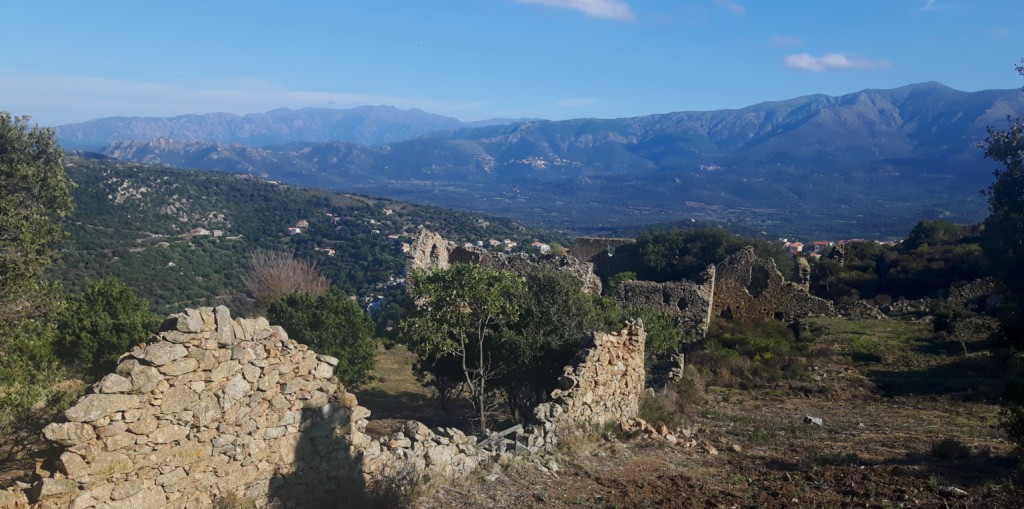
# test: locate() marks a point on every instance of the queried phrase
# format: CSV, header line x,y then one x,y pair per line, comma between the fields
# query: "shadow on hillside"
x,y
405,405
979,470
966,378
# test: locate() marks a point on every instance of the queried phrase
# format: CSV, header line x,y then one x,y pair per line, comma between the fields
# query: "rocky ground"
x,y
910,425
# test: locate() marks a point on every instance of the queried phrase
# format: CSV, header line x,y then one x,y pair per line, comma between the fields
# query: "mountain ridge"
x,y
370,125
874,157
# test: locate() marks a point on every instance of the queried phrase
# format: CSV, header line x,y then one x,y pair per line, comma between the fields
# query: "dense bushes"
x,y
741,354
670,255
330,324
934,256
100,324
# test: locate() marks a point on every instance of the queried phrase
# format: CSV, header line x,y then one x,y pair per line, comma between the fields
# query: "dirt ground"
x,y
884,419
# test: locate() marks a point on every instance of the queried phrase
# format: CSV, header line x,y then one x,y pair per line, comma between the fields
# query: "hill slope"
x,y
182,238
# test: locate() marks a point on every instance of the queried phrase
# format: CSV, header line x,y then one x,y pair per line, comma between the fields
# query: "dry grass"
x,y
393,391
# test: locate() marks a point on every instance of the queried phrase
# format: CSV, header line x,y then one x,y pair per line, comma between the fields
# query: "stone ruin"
x,y
217,407
743,287
689,302
604,384
750,288
431,251
587,249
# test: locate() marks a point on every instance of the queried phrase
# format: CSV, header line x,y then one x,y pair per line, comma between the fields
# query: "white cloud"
x,y
928,5
610,9
732,6
60,99
575,102
785,41
807,62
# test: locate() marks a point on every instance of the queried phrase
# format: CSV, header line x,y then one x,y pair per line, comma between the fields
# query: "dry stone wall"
x,y
214,406
689,302
604,384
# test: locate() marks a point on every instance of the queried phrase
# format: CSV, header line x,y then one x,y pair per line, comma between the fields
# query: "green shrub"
x,y
1011,416
102,323
765,352
333,325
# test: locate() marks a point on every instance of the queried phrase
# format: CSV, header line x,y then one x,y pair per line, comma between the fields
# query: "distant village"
x,y
815,249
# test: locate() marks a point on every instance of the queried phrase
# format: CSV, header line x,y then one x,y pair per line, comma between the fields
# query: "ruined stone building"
x,y
431,251
214,406
742,287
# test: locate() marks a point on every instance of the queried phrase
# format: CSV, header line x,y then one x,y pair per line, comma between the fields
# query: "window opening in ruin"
x,y
726,313
759,278
435,256
611,250
779,315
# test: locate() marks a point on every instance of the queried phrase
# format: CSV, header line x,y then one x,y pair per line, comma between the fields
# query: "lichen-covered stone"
x,y
95,406
69,434
162,352
113,384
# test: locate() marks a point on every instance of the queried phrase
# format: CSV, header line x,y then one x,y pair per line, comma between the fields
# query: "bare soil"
x,y
883,414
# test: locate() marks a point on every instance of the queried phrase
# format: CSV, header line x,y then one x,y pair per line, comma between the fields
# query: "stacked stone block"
x,y
604,384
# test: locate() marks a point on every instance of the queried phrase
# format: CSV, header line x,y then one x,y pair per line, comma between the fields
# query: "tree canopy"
x,y
461,311
34,190
100,324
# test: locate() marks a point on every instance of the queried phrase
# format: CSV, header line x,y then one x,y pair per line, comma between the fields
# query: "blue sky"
x,y
70,61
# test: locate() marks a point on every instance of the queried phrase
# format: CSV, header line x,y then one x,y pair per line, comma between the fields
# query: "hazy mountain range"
x,y
371,125
870,163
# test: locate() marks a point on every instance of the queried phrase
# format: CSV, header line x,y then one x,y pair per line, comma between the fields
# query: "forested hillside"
x,y
183,238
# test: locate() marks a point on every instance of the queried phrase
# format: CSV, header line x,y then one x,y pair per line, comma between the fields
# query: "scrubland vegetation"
x,y
919,404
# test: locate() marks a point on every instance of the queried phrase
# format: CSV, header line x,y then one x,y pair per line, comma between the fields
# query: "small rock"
x,y
952,491
736,448
813,420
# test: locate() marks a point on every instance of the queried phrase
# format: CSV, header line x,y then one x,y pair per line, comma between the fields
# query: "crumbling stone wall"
x,y
431,251
689,302
215,406
976,296
604,384
751,288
